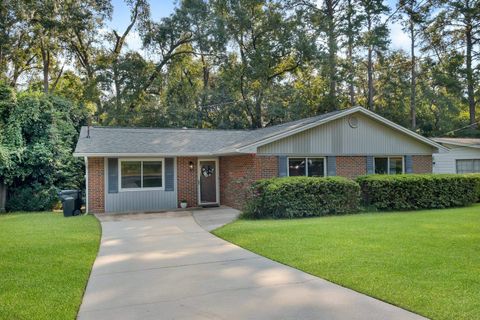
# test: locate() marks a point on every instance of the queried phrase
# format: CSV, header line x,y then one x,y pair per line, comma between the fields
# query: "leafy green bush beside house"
x,y
38,133
419,191
293,197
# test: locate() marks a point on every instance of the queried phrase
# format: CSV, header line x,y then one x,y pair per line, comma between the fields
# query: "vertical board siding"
x,y
338,138
144,200
331,166
140,201
112,175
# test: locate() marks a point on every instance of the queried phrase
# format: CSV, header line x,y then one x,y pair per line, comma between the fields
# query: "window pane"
x,y
131,171
465,166
315,167
396,166
296,167
476,166
381,165
152,174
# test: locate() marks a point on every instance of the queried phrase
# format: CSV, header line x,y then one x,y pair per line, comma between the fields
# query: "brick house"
x,y
143,170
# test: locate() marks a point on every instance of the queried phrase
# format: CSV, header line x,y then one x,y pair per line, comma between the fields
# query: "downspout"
x,y
86,185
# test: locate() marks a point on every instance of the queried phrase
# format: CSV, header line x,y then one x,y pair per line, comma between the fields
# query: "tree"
x,y
459,25
351,22
38,134
415,18
374,39
270,43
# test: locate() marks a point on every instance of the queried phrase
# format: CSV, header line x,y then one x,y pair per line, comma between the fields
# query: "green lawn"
x,y
45,261
424,261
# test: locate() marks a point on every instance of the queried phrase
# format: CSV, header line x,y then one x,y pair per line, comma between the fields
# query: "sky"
x,y
163,8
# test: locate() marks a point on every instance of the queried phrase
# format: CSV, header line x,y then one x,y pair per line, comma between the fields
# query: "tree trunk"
x,y
351,86
470,84
370,78
370,69
413,89
46,66
3,196
332,55
351,72
257,121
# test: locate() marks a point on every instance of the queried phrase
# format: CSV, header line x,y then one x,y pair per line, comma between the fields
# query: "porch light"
x,y
190,165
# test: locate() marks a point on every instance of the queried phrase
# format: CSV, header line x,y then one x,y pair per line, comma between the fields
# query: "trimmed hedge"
x,y
419,191
292,197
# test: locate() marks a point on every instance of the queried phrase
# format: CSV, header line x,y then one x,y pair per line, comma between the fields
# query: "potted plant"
x,y
183,204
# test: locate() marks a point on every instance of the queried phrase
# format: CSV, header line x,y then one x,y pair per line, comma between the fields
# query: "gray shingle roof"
x,y
114,140
471,142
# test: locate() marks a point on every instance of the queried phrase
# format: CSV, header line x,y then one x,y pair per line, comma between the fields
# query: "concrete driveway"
x,y
166,266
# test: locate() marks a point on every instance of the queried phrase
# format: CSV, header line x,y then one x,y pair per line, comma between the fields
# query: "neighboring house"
x,y
132,170
463,156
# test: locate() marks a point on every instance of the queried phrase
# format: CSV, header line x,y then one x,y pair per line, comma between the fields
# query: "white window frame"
x,y
470,159
120,189
388,163
325,174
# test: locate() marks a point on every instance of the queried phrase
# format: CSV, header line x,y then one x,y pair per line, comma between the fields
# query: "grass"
x,y
45,262
425,261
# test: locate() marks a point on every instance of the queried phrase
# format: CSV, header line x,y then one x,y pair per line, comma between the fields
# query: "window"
x,y
141,174
311,167
388,165
468,166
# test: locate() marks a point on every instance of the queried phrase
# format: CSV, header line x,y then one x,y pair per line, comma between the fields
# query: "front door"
x,y
208,181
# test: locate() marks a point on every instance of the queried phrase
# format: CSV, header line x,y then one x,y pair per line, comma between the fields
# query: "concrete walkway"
x,y
166,266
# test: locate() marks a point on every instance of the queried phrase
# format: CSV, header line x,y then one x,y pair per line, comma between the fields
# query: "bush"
x,y
293,197
419,191
32,198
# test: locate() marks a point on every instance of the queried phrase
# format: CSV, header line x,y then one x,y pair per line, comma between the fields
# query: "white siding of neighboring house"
x,y
337,137
446,162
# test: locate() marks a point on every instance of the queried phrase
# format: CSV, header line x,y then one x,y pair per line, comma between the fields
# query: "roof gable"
x,y
334,116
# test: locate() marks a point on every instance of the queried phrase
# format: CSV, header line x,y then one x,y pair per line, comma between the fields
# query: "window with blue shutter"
x,y
112,175
282,166
370,165
331,166
169,174
408,164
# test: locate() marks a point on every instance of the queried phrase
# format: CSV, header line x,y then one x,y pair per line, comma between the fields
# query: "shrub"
x,y
32,198
293,197
419,191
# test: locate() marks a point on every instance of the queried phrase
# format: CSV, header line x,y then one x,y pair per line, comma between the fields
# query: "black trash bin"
x,y
71,202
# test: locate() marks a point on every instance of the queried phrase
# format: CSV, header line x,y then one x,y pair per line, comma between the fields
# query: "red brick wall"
x,y
422,164
351,167
187,181
96,185
237,173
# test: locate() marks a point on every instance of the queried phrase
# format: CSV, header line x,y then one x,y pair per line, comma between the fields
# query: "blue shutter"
x,y
408,164
169,174
112,175
370,167
282,166
331,166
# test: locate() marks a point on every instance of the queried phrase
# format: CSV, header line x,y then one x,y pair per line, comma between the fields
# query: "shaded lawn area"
x,y
45,262
425,261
